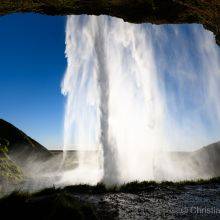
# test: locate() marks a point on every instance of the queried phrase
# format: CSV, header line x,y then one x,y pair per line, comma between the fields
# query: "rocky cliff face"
x,y
206,12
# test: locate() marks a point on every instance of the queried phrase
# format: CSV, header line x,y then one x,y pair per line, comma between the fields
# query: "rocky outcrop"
x,y
206,12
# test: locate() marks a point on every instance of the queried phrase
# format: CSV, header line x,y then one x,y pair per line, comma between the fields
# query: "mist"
x,y
136,92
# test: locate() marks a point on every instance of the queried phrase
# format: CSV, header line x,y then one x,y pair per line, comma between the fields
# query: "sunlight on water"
x,y
135,91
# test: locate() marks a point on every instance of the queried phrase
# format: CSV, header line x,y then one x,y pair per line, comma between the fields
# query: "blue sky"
x,y
32,64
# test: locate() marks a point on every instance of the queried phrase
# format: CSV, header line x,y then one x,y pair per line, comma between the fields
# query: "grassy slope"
x,y
10,173
18,139
9,170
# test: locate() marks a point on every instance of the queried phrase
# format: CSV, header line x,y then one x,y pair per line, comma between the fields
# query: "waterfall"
x,y
134,91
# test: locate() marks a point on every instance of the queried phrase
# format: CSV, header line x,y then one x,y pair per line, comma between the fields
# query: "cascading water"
x,y
134,91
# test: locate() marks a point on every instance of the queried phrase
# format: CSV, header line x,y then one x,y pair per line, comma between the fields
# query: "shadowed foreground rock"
x,y
206,12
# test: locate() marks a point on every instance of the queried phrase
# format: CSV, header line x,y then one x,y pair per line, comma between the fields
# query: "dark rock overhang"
x,y
205,12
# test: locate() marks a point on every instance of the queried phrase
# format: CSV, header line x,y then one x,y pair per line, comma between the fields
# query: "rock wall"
x,y
206,12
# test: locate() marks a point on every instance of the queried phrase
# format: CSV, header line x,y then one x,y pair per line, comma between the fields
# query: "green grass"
x,y
84,188
135,186
10,173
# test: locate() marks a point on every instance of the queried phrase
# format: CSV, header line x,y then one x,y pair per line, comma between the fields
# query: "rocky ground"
x,y
197,202
148,200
